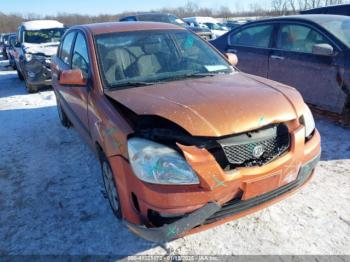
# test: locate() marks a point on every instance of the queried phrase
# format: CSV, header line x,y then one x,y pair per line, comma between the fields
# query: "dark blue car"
x,y
308,52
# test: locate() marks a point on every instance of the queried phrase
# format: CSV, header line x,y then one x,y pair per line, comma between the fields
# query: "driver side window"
x,y
298,38
80,58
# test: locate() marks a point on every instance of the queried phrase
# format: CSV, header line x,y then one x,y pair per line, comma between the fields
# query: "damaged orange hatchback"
x,y
185,141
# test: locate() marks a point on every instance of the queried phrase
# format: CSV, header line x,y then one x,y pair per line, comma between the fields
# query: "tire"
x,y
62,116
20,76
30,88
110,187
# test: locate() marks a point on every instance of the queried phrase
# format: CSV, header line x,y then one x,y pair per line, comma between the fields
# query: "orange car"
x,y
185,141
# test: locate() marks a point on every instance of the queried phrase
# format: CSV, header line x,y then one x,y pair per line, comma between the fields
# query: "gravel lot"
x,y
52,199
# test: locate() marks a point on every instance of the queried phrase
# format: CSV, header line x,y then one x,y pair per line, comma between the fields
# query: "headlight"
x,y
28,57
157,164
308,121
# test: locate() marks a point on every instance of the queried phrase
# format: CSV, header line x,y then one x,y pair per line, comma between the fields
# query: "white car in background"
x,y
217,28
36,42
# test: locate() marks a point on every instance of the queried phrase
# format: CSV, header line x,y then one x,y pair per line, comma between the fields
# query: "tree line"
x,y
10,22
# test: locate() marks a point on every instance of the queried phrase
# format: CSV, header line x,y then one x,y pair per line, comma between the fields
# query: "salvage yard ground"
x,y
52,198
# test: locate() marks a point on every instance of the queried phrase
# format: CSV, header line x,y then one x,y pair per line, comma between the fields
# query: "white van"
x,y
36,42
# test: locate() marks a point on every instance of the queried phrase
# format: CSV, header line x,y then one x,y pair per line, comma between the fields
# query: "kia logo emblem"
x,y
258,151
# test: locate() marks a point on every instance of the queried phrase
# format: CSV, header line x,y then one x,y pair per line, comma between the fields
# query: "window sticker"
x,y
213,68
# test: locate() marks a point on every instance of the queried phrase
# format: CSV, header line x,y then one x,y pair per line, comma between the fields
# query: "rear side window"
x,y
66,48
298,38
80,59
255,36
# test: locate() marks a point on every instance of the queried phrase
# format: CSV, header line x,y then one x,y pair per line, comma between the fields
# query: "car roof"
x,y
315,18
42,24
116,27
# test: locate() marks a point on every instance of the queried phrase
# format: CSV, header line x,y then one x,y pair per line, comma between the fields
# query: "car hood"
x,y
47,49
215,106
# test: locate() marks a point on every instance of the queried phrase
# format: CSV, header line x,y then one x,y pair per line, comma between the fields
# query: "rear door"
x,y
292,62
74,99
252,46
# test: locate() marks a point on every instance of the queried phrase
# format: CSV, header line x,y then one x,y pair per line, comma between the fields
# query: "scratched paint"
x,y
261,121
111,133
172,231
218,182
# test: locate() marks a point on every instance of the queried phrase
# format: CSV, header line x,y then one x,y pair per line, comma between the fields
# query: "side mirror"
x,y
17,44
232,58
73,77
322,49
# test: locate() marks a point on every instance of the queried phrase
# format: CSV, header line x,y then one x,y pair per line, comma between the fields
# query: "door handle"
x,y
277,57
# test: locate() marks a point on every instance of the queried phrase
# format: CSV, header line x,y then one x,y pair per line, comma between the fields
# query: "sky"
x,y
96,7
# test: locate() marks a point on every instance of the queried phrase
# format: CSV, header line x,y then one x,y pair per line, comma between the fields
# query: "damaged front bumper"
x,y
212,212
38,71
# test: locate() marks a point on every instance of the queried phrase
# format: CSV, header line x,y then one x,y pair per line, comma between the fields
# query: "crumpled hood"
x,y
48,49
215,106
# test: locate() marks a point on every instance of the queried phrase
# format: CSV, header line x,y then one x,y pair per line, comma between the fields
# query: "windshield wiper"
x,y
190,75
132,84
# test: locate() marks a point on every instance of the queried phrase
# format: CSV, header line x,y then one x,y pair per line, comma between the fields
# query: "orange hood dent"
x,y
215,106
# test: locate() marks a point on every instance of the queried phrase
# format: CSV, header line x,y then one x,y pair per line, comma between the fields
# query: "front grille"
x,y
257,147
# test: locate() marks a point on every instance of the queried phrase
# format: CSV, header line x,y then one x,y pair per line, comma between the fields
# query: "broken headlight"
x,y
28,57
158,164
308,121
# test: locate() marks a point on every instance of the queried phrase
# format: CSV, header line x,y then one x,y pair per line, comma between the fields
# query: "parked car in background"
x,y
4,44
329,10
11,51
308,52
216,28
205,33
233,24
37,41
185,141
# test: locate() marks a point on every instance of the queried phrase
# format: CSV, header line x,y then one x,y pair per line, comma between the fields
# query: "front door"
x,y
292,62
74,99
251,45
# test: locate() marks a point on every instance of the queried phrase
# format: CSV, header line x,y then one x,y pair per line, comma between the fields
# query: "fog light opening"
x,y
135,202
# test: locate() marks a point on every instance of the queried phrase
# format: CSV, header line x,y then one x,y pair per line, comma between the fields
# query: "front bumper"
x,y
212,212
38,72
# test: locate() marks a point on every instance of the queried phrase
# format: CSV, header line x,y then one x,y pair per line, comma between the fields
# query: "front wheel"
x,y
20,76
30,88
62,115
111,188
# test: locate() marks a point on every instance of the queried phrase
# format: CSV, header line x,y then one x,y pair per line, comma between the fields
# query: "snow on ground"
x,y
52,198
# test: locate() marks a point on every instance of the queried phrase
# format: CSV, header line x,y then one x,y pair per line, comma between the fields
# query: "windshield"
x,y
339,26
155,56
171,19
43,36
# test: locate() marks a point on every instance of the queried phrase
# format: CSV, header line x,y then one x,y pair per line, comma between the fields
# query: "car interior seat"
x,y
116,62
148,63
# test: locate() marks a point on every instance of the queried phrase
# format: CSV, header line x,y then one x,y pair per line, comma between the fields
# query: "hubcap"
x,y
110,186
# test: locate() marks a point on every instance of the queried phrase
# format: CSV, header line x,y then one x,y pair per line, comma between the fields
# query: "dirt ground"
x,y
52,198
